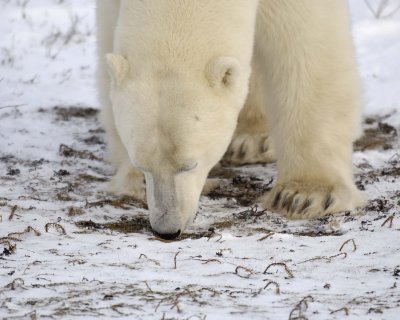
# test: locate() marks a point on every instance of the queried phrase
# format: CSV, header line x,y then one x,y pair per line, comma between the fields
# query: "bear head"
x,y
176,125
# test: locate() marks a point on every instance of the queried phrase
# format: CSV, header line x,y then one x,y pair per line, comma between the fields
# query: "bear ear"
x,y
118,67
222,72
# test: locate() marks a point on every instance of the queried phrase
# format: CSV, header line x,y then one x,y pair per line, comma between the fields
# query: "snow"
x,y
336,265
378,48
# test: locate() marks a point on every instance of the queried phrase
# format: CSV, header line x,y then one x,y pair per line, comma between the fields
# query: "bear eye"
x,y
188,167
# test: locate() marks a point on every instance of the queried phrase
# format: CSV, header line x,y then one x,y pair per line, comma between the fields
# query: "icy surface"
x,y
63,256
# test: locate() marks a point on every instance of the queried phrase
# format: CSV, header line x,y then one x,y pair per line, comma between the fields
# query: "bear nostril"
x,y
168,236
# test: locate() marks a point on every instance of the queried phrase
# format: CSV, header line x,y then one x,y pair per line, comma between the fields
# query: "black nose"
x,y
168,236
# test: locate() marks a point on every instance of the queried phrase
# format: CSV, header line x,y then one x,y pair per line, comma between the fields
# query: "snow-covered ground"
x,y
69,250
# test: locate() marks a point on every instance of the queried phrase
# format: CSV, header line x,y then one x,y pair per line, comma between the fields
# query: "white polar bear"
x,y
180,73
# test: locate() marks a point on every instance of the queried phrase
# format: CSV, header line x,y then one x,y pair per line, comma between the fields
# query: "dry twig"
x,y
27,230
248,270
214,292
176,254
301,306
266,236
18,282
282,264
346,242
11,247
142,255
277,287
378,12
56,226
328,259
345,309
148,287
12,214
390,220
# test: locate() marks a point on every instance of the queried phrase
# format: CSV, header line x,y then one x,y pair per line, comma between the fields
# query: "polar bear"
x,y
184,83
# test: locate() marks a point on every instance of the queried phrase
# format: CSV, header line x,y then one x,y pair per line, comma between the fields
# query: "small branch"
x,y
142,255
57,226
148,287
18,282
27,230
378,13
282,264
11,247
249,271
266,236
345,309
13,106
346,242
209,261
300,307
390,220
176,254
277,288
14,208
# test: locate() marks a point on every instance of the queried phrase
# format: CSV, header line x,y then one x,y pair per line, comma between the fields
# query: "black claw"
x,y
284,201
289,201
328,202
242,151
276,200
293,206
230,153
306,205
263,148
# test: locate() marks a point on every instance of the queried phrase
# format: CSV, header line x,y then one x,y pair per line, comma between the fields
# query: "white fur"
x,y
180,73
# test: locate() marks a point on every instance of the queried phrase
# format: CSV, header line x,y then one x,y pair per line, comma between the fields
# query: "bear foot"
x,y
250,148
304,201
128,181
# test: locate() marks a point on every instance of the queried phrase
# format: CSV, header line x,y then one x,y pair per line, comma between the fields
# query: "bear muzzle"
x,y
173,203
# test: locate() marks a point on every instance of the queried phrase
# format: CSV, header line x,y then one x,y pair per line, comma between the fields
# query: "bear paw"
x,y
305,201
128,182
247,148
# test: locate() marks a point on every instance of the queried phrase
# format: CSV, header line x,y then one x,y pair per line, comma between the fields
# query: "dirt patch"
x,y
94,140
7,158
391,173
89,178
13,171
69,152
62,173
380,136
139,224
224,224
72,212
89,224
315,234
123,202
63,196
66,113
253,213
221,172
130,225
380,205
11,162
245,190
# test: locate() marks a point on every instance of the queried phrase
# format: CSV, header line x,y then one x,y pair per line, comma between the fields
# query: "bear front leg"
x,y
128,181
315,105
251,142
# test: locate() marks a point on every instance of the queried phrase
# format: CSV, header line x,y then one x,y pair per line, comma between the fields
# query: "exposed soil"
x,y
61,202
378,135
